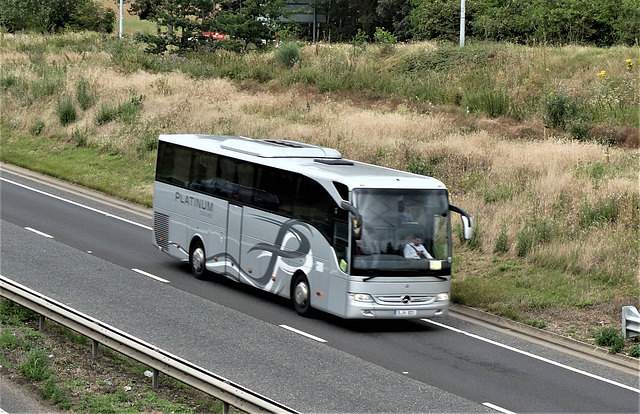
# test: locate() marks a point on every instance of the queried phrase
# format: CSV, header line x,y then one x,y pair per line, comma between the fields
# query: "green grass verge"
x,y
510,290
86,166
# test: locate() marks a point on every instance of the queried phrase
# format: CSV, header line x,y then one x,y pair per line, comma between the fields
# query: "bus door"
x,y
234,232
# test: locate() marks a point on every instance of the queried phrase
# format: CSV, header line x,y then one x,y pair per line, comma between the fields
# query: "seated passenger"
x,y
415,249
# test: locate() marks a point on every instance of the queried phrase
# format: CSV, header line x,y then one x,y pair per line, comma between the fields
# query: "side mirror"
x,y
467,222
357,219
467,227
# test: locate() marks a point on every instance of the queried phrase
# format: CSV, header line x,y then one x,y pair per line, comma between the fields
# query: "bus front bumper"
x,y
376,311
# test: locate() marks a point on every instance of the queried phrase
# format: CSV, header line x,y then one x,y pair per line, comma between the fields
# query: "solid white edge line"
x,y
95,210
495,407
539,358
39,232
315,338
142,272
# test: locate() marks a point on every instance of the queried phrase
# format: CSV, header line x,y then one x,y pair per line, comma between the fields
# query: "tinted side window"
x,y
174,164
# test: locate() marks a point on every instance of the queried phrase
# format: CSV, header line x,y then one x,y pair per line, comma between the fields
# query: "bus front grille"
x,y
161,230
404,299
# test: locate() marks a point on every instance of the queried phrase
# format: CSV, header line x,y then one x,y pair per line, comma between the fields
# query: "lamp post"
x,y
121,1
462,12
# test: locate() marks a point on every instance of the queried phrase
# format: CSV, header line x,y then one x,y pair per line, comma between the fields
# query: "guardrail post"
x,y
94,348
41,323
154,379
630,321
225,408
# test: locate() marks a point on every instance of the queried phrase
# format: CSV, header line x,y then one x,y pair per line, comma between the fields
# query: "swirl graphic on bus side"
x,y
281,253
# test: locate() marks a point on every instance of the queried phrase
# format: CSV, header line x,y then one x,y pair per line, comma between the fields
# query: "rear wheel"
x,y
197,260
301,295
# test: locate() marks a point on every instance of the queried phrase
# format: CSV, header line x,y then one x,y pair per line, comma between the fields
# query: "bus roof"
x,y
317,162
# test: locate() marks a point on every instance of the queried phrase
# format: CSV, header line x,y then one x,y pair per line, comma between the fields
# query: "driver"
x,y
415,249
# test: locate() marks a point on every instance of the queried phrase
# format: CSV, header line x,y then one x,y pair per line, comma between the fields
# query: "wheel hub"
x,y
197,261
302,294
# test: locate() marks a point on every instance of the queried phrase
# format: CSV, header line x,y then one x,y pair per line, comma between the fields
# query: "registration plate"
x,y
406,312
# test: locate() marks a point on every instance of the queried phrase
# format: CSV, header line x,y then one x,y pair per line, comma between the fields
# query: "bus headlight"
x,y
442,297
360,297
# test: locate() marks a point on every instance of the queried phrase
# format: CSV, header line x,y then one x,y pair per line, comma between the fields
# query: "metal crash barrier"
x,y
630,322
159,360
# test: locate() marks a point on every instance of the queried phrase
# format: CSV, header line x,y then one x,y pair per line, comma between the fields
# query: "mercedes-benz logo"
x,y
406,299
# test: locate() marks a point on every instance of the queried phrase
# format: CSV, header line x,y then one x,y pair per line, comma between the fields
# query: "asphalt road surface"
x,y
95,254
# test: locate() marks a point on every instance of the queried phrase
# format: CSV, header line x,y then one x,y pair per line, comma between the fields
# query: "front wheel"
x,y
197,260
301,296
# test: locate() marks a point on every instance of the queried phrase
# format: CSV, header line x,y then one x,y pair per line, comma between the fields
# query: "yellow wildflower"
x,y
629,64
602,74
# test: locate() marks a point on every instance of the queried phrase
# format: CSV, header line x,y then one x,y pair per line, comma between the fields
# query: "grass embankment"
x,y
556,209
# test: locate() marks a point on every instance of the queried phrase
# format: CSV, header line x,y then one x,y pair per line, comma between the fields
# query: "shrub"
x,y
66,112
603,212
419,166
12,314
610,337
536,231
384,38
36,365
36,128
86,99
8,81
80,137
107,113
501,192
8,339
560,108
579,128
492,103
287,55
634,351
535,324
502,240
51,391
129,111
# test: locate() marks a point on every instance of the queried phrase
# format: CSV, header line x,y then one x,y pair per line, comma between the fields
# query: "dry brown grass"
x,y
503,172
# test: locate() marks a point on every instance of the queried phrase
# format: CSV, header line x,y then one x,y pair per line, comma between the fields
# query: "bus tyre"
x,y
197,260
301,295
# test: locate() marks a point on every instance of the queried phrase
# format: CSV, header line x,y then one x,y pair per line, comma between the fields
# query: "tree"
x,y
502,20
250,21
396,15
440,19
142,8
51,16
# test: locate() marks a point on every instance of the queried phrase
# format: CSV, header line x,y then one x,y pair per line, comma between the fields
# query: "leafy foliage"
x,y
599,22
610,337
67,113
566,112
36,365
287,55
246,21
52,16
